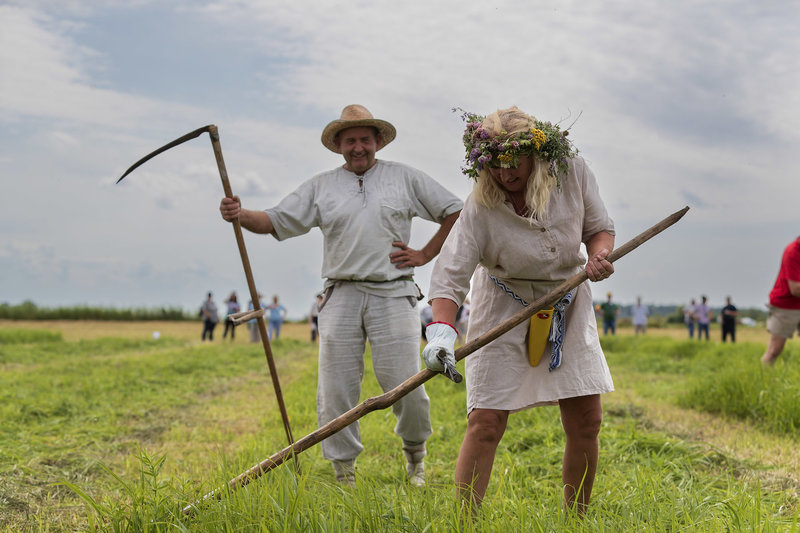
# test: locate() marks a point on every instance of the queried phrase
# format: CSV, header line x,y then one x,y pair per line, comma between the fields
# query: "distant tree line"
x,y
28,310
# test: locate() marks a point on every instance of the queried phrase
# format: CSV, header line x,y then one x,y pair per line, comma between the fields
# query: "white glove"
x,y
441,336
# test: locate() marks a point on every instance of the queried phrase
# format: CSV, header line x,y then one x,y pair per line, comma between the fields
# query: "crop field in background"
x,y
105,427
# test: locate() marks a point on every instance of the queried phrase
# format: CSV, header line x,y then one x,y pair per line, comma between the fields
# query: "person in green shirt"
x,y
609,311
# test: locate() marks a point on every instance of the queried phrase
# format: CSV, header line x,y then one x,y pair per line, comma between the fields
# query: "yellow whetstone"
x,y
537,335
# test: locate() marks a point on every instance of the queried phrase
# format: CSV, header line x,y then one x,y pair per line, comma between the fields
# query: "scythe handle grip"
x,y
213,133
449,369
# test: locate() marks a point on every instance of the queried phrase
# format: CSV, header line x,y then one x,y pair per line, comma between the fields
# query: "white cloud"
x,y
48,75
678,102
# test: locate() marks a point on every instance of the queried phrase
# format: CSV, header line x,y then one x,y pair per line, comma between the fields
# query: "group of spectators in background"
x,y
275,311
699,316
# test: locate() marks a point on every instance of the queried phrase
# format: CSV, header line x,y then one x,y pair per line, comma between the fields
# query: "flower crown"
x,y
544,140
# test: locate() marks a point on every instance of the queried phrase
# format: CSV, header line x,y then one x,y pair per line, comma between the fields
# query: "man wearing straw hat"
x,y
364,210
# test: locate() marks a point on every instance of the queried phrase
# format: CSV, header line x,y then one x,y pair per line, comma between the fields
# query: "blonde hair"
x,y
506,123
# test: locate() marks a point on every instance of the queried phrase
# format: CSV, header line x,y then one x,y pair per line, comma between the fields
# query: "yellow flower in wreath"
x,y
538,137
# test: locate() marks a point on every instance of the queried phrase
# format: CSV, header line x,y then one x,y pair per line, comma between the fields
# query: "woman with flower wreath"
x,y
533,204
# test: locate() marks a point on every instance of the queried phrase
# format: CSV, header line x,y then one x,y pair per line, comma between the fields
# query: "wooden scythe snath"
x,y
389,398
257,312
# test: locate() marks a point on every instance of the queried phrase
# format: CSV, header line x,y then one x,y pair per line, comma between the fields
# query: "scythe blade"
x,y
180,140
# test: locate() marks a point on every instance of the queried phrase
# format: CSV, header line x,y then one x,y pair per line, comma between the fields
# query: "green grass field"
x,y
106,428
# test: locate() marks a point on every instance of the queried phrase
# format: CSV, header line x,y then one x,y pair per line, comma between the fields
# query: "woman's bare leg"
x,y
485,428
581,418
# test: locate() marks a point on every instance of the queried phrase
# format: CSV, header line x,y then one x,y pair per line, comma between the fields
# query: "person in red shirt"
x,y
784,303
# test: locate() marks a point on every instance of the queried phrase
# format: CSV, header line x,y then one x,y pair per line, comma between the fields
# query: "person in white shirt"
x,y
640,313
364,210
690,317
704,317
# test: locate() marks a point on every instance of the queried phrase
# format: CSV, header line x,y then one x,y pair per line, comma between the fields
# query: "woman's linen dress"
x,y
531,259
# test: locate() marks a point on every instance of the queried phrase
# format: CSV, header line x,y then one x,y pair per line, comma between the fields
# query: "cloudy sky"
x,y
674,103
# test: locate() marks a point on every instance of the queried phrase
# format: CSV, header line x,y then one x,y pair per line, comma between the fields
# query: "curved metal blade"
x,y
176,142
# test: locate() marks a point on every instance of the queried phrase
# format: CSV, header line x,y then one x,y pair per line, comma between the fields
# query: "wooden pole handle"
x,y
248,272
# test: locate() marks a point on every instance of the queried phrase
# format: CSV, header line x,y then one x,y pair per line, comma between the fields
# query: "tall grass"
x,y
719,378
649,483
742,388
120,435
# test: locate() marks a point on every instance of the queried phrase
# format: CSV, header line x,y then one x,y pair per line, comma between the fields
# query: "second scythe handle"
x,y
248,272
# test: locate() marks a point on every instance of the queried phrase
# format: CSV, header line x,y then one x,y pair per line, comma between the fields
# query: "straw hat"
x,y
354,116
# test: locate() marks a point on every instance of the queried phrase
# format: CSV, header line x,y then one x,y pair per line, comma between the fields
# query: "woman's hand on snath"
x,y
598,268
440,349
